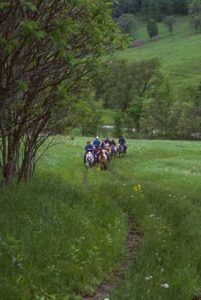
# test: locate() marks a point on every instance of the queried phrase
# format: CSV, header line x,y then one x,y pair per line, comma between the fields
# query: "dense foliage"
x,y
127,22
195,15
152,28
48,51
125,86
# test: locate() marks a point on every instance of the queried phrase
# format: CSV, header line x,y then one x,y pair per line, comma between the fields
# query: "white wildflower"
x,y
165,285
147,278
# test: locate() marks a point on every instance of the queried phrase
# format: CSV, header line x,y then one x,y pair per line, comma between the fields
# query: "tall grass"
x,y
63,232
168,209
56,242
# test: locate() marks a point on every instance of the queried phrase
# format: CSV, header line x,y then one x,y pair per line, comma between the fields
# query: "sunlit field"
x,y
65,231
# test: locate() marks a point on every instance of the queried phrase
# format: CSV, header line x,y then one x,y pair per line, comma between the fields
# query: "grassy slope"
x,y
167,208
179,52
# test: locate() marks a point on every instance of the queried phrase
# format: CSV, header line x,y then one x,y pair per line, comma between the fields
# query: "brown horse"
x,y
103,160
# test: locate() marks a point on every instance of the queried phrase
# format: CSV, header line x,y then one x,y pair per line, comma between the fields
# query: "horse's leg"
x,y
101,166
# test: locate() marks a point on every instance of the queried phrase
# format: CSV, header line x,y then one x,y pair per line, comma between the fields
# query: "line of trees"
x,y
156,9
147,101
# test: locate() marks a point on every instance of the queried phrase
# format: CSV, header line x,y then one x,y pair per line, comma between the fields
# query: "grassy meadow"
x,y
64,232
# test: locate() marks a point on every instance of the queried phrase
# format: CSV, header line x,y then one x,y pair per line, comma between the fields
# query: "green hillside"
x,y
179,52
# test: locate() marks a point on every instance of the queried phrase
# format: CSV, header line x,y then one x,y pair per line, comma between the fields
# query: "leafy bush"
x,y
195,15
169,21
127,22
152,28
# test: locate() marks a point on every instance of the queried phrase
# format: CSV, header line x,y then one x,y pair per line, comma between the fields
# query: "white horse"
x,y
89,160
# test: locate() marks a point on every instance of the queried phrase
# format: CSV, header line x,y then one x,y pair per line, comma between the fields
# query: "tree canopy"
x,y
126,22
48,51
125,86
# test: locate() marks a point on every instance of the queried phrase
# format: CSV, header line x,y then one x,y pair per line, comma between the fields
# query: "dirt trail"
x,y
118,275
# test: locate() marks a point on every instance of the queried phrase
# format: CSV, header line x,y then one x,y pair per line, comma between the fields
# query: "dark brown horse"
x,y
103,161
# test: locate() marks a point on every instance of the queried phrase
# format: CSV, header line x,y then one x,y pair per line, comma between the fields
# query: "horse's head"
x,y
103,154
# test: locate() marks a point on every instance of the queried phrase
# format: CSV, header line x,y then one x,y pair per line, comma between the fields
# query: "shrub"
x,y
169,21
127,22
195,15
152,28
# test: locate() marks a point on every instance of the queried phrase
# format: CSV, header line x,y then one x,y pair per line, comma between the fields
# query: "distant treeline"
x,y
156,9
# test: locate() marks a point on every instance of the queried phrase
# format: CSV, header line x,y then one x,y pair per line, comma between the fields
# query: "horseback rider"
x,y
113,148
102,144
112,143
107,140
88,148
96,142
122,142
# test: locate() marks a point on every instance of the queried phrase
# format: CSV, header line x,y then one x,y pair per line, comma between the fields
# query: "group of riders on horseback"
x,y
103,152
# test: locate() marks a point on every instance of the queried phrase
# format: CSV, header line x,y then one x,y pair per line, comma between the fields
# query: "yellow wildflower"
x,y
137,188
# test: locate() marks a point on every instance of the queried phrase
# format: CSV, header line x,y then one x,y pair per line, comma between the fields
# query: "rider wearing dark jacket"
x,y
112,143
96,142
122,142
88,148
107,140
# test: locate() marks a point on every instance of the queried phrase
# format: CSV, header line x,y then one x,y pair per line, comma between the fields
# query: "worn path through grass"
x,y
158,184
60,239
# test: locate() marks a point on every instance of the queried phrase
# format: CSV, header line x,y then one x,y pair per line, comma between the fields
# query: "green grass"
x,y
179,53
59,238
43,224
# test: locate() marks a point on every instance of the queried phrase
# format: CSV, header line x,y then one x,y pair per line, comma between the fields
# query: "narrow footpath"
x,y
118,276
